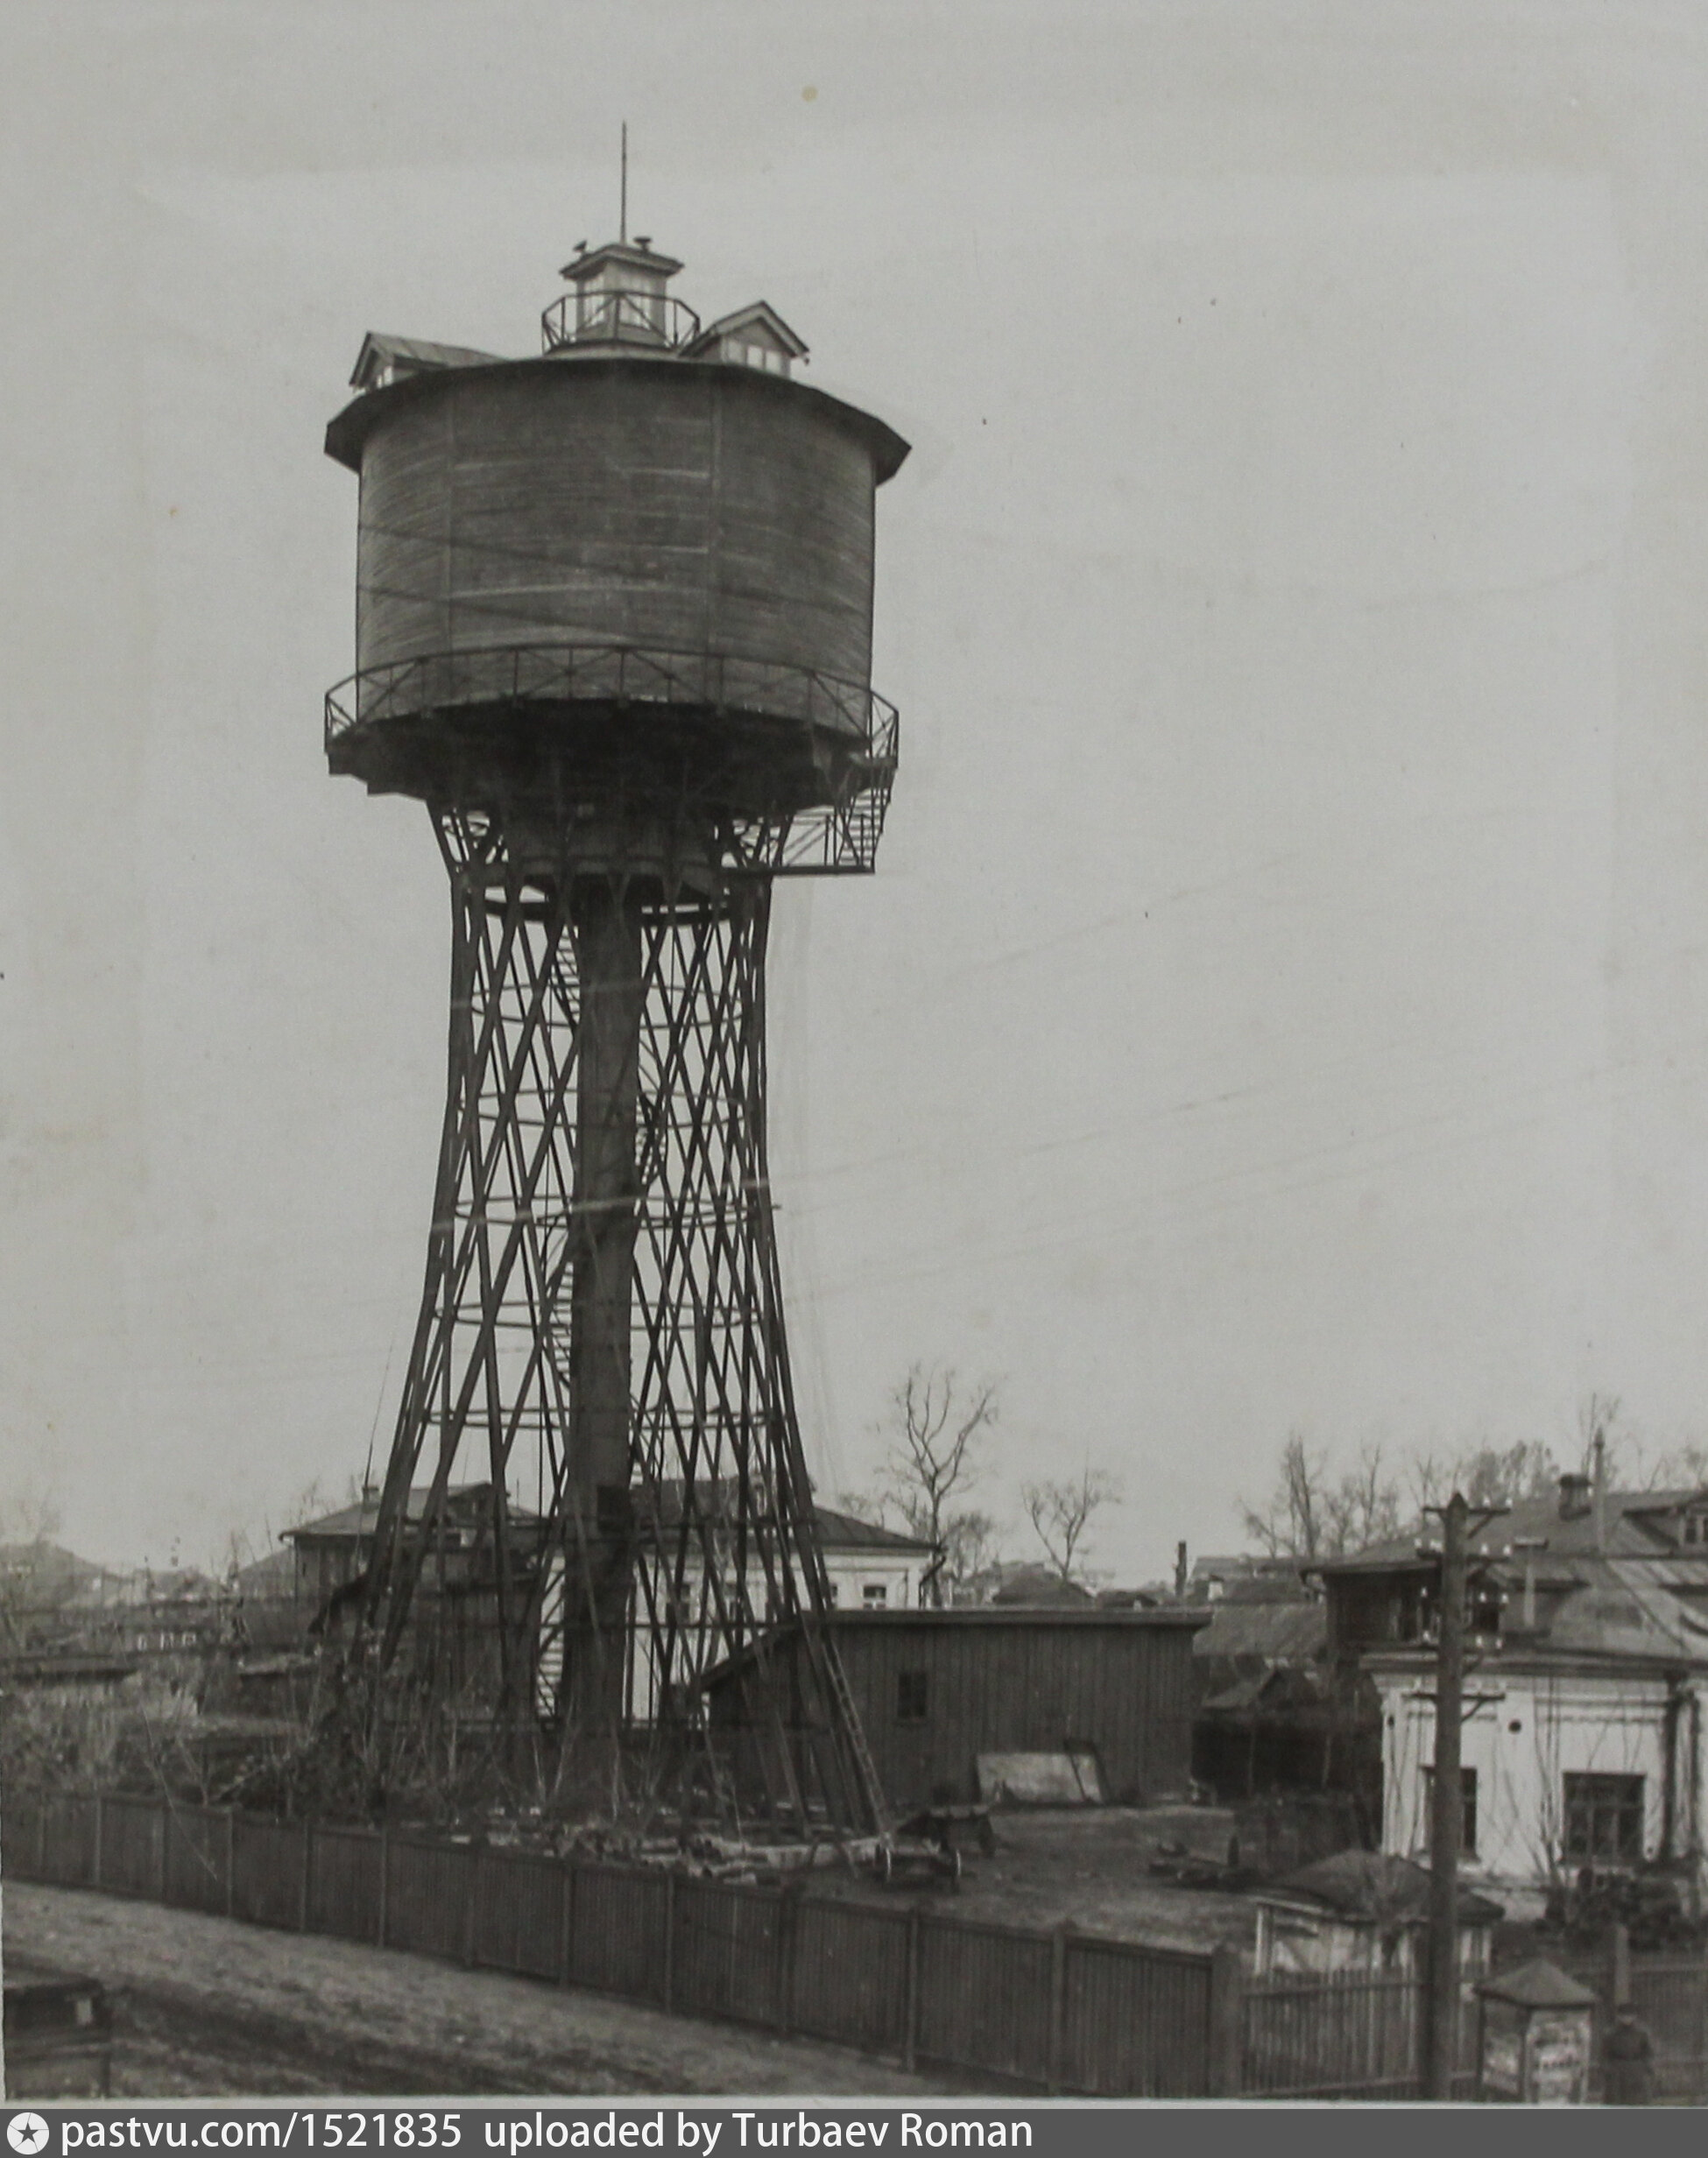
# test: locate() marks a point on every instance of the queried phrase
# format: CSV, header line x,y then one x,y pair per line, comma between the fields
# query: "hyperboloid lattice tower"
x,y
614,629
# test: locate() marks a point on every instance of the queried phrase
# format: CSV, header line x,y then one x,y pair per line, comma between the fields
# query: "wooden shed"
x,y
936,1688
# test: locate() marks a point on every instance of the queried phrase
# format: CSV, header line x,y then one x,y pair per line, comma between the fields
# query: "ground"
x,y
209,2008
1092,1865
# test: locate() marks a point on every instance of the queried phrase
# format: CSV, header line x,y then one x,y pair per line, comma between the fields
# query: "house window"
x,y
1604,1818
1694,1528
912,1697
830,1590
874,1595
1467,1807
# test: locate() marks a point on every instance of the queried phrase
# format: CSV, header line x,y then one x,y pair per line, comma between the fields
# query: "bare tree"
x,y
29,1517
1312,1514
935,1426
1292,1525
1363,1507
1683,1465
1061,1514
1487,1475
969,1551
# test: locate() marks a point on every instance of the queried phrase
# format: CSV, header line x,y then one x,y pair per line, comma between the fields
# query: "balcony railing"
x,y
607,318
840,834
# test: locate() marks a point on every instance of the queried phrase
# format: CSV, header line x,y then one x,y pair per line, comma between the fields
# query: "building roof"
x,y
837,1532
760,316
361,1519
1635,1528
1296,1632
847,1532
1537,1984
1643,1597
411,355
274,1574
1283,1689
973,1618
715,1500
627,255
41,1567
1373,1884
1039,1588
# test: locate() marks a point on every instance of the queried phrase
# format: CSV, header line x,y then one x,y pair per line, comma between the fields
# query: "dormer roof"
x,y
382,358
760,324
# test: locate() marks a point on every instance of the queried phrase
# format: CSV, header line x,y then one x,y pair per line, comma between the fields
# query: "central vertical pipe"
x,y
604,912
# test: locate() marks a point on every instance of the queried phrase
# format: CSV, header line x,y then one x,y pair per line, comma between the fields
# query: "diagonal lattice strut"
x,y
596,1492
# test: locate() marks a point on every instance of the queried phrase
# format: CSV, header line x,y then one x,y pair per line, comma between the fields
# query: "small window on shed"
x,y
874,1595
911,1697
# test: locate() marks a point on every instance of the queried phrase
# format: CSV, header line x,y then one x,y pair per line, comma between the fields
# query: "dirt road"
x,y
209,2008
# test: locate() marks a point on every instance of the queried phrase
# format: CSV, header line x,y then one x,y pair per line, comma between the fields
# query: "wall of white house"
x,y
1523,1743
874,1580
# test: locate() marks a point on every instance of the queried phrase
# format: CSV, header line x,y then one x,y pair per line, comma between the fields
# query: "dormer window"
x,y
755,336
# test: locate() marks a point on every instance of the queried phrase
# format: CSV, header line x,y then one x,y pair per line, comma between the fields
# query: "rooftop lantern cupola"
x,y
619,299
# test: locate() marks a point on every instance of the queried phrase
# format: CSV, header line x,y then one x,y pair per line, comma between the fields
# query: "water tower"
x,y
614,629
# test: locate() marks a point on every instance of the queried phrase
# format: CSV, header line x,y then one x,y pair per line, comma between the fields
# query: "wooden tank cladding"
x,y
676,507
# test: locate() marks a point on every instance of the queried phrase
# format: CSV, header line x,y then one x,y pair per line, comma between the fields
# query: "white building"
x,y
867,1567
1583,1739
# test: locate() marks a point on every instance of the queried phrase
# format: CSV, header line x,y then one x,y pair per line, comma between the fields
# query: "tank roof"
x,y
349,430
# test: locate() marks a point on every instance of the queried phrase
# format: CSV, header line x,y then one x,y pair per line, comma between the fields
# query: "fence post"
x,y
100,1831
160,1851
231,1861
669,1940
471,1900
788,1924
1226,2034
308,1875
1058,2004
910,2029
1619,1959
41,1836
384,1886
566,1952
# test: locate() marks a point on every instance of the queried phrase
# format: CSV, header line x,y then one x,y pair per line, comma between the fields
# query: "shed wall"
x,y
1024,1687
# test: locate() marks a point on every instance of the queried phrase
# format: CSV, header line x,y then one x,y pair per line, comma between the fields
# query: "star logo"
x,y
27,2133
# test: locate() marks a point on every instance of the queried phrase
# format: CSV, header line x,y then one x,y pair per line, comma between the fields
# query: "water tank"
x,y
610,547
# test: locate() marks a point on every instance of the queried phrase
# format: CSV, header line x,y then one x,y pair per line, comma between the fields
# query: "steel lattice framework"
x,y
600,1357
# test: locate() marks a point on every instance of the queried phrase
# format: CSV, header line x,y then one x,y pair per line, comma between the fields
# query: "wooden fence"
x,y
1007,2006
1670,1994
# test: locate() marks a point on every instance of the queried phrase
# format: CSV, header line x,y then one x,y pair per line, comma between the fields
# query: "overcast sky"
x,y
1284,997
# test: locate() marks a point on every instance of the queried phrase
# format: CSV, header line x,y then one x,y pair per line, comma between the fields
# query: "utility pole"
x,y
1447,1810
1442,1993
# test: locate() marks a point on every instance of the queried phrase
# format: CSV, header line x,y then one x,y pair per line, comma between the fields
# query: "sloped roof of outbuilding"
x,y
1292,1633
1374,1885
